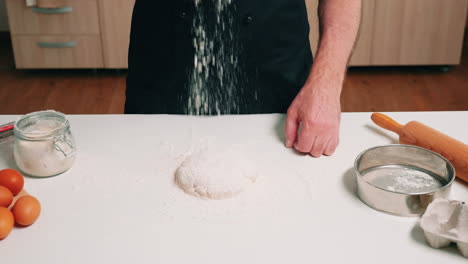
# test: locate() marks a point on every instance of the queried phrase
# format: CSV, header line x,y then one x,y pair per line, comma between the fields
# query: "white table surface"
x,y
119,204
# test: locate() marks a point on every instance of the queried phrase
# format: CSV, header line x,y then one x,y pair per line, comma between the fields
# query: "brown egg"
x,y
6,222
6,197
26,210
12,179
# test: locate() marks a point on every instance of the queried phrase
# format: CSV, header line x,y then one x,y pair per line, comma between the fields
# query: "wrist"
x,y
324,79
330,95
332,70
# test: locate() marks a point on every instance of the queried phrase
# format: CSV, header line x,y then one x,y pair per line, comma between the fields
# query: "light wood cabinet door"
x,y
115,19
57,51
78,17
363,48
418,32
405,32
362,52
313,23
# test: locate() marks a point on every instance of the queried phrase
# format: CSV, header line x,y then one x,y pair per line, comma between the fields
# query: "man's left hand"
x,y
313,121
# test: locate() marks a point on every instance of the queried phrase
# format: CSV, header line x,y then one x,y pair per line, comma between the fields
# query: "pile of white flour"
x,y
214,173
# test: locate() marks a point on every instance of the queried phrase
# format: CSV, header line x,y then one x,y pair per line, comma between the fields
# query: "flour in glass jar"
x,y
46,152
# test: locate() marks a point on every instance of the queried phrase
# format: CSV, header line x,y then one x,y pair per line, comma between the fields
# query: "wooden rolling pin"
x,y
417,134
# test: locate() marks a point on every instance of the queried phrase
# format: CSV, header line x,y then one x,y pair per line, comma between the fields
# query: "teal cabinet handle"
x,y
52,10
69,44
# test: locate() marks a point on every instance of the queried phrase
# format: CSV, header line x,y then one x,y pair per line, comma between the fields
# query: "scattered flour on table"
x,y
147,187
269,198
215,174
278,192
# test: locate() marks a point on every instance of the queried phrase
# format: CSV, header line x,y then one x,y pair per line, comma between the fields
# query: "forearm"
x,y
316,109
339,24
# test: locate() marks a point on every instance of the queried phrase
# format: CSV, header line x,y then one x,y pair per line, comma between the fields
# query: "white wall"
x,y
3,17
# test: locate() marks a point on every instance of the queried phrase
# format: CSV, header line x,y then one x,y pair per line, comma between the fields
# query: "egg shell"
x,y
6,197
26,210
6,222
12,179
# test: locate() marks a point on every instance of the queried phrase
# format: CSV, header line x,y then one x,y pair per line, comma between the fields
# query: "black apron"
x,y
276,55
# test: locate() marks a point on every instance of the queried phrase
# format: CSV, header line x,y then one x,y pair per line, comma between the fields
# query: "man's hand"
x,y
313,121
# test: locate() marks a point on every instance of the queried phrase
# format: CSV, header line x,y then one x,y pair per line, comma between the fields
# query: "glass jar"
x,y
44,145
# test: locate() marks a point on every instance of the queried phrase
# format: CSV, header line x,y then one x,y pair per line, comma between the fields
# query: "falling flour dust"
x,y
214,84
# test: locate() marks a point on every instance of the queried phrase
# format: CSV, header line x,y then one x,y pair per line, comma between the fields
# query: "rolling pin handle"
x,y
386,122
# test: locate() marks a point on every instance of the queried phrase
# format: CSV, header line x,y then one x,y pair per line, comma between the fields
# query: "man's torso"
x,y
275,53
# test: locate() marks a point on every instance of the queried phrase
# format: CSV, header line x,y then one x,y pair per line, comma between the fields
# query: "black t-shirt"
x,y
275,54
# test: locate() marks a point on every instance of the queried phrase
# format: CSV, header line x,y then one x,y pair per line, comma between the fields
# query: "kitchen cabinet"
x,y
67,37
78,17
313,23
393,32
83,34
58,51
362,52
115,17
418,32
401,32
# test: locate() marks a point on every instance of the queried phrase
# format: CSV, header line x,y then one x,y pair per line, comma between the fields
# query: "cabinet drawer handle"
x,y
69,44
52,10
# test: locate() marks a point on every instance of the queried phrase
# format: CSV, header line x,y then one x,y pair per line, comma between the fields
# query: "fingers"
x,y
312,137
317,142
319,146
331,147
306,139
292,125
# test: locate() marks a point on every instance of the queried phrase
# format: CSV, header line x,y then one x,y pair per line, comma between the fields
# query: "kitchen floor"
x,y
366,89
